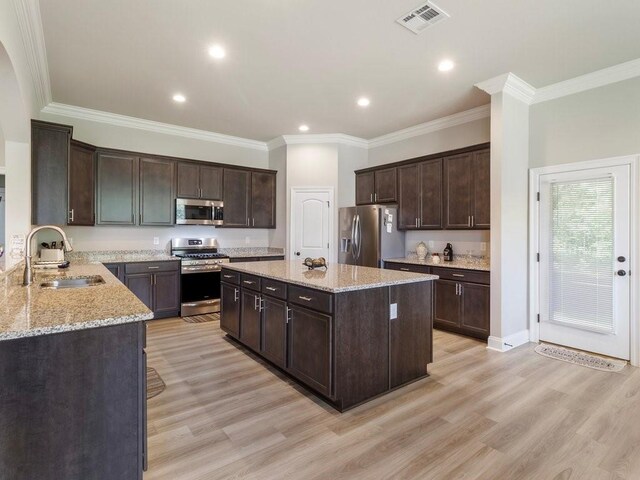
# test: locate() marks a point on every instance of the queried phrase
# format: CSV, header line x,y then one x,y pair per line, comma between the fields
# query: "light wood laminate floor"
x,y
480,415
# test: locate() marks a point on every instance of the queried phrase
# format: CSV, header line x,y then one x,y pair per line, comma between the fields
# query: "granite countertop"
x,y
244,252
337,278
467,263
34,311
119,256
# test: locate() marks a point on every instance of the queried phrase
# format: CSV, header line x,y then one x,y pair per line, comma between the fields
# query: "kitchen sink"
x,y
77,282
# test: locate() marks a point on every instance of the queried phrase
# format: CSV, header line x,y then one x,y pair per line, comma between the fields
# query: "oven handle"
x,y
189,271
198,304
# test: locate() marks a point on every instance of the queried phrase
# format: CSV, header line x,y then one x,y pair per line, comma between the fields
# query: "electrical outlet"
x,y
483,246
247,240
432,244
156,240
70,241
393,311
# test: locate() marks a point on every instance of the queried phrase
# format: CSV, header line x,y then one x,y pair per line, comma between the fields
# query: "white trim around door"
x,y
534,235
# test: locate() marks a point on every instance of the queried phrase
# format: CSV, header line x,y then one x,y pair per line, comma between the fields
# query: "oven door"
x,y
200,292
198,212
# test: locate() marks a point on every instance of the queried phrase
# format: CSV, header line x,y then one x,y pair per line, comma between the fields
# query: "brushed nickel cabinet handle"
x,y
457,275
306,299
249,282
271,289
288,314
469,221
153,268
228,276
405,269
236,295
71,216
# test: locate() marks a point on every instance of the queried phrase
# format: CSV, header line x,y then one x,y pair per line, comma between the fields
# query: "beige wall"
x,y
596,124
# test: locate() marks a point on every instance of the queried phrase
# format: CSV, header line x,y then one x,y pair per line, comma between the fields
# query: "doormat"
x,y
155,384
210,317
580,358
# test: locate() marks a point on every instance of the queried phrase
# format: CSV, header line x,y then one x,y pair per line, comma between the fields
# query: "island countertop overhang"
x,y
336,278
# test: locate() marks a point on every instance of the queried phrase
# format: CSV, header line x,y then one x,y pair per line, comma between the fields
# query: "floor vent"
x,y
419,19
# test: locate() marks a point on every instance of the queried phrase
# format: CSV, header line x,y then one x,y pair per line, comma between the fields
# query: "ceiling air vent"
x,y
424,16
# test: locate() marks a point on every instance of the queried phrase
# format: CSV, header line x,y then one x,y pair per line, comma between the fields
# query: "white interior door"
x,y
584,259
310,223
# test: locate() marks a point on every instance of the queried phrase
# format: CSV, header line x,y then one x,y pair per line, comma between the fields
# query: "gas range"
x,y
198,254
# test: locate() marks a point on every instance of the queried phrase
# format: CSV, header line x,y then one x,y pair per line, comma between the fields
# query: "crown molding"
x,y
433,126
149,125
511,84
30,24
599,78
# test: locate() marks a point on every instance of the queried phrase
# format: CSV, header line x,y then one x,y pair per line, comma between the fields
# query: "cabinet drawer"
x,y
151,267
461,275
406,267
230,276
311,298
250,281
274,288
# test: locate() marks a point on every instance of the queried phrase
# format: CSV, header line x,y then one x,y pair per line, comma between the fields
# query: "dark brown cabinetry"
x,y
378,186
420,196
78,399
312,336
249,199
310,358
157,195
407,267
117,269
117,188
199,181
230,305
82,178
467,191
49,172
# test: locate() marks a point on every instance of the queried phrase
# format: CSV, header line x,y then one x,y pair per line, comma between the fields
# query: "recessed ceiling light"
x,y
364,102
216,51
178,97
303,128
446,65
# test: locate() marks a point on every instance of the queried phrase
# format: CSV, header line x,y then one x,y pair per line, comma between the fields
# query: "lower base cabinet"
x,y
343,346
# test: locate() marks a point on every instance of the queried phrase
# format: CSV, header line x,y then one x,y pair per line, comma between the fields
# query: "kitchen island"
x,y
73,376
349,333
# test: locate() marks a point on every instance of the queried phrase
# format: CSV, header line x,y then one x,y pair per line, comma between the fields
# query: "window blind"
x,y
581,254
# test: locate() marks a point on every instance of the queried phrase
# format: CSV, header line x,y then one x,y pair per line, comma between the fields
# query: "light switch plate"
x,y
393,311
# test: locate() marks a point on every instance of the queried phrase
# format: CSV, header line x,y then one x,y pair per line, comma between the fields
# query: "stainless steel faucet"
x,y
28,270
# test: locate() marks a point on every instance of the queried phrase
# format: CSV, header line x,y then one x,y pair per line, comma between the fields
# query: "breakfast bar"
x,y
348,333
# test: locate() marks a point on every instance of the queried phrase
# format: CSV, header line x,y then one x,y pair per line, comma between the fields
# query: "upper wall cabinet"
x,y
378,186
467,190
199,181
117,188
82,179
157,192
249,199
49,170
420,196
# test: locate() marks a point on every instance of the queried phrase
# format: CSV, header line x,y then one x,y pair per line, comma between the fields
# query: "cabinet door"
x,y
447,304
274,330
457,191
82,191
117,269
166,293
250,319
157,198
141,286
211,183
117,189
236,193
385,186
188,180
408,197
365,187
481,190
310,357
49,162
230,311
431,195
475,309
263,200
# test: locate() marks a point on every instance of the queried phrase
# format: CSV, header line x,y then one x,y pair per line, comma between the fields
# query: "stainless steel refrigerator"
x,y
369,235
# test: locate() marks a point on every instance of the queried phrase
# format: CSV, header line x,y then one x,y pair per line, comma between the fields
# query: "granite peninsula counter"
x,y
349,333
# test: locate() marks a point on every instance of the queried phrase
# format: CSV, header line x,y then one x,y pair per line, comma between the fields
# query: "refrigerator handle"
x,y
359,234
353,235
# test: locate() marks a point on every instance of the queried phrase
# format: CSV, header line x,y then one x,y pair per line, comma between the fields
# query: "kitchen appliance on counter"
x,y
200,266
368,234
199,212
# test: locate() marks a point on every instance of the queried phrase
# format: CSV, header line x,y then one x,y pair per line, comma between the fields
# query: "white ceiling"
x,y
306,61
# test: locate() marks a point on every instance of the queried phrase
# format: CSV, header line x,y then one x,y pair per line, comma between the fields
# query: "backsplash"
x,y
464,242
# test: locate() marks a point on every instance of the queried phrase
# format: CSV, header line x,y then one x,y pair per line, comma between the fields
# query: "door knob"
x,y
622,273
298,254
622,259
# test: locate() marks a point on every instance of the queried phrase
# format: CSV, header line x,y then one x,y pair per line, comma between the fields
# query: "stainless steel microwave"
x,y
198,212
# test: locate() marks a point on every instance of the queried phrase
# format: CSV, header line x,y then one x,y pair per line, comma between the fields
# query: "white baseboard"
x,y
504,344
